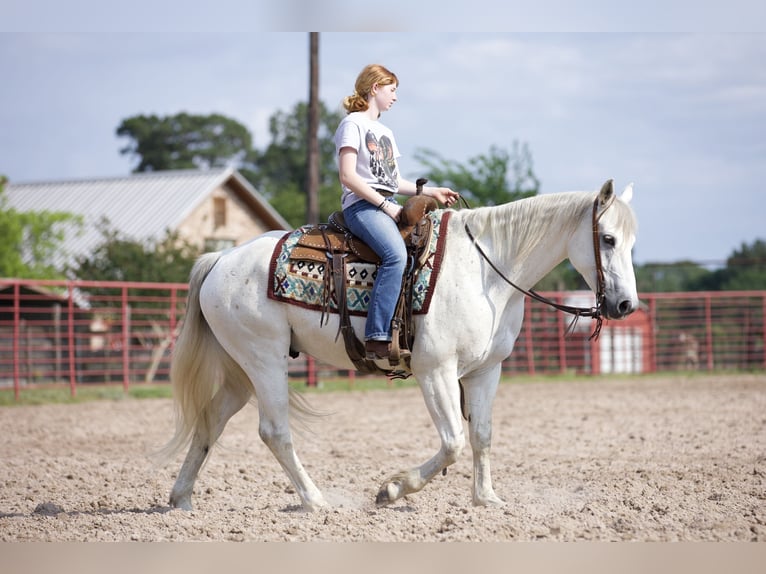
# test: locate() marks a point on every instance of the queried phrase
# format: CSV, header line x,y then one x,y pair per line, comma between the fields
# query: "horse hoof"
x,y
388,493
493,501
315,506
181,504
382,498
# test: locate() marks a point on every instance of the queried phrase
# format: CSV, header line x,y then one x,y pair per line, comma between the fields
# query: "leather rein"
x,y
594,312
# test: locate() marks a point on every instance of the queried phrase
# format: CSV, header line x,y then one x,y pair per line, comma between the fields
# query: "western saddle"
x,y
333,244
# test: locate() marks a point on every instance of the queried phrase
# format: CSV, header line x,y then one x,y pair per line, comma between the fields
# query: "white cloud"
x,y
681,115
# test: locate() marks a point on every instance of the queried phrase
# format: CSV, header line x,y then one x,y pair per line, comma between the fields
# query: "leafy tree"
x,y
29,240
668,277
745,270
119,258
279,172
184,141
494,178
563,277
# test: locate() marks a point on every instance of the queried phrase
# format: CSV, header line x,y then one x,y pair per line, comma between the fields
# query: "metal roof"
x,y
140,206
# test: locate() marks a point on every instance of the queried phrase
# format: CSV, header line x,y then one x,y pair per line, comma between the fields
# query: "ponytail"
x,y
367,78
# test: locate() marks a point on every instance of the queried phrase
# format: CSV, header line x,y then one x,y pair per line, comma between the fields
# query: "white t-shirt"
x,y
376,153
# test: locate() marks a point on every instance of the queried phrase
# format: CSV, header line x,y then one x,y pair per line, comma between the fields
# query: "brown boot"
x,y
375,350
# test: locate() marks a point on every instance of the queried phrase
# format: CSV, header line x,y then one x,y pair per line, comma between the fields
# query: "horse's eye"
x,y
609,240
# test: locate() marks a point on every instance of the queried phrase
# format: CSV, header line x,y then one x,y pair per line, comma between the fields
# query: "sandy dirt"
x,y
637,459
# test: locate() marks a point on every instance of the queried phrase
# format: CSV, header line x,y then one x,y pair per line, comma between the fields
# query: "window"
x,y
219,212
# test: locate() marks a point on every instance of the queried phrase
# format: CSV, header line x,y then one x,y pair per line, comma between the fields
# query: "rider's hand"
x,y
442,194
393,210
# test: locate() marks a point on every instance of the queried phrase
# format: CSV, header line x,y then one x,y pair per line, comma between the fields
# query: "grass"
x,y
358,384
61,394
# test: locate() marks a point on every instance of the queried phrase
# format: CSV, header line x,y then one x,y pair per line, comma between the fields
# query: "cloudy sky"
x,y
682,115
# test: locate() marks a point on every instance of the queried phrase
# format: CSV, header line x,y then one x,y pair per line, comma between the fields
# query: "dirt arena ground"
x,y
639,459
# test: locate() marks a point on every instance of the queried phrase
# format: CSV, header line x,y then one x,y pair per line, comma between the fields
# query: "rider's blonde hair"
x,y
367,78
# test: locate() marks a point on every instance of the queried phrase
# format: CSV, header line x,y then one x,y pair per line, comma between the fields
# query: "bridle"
x,y
594,312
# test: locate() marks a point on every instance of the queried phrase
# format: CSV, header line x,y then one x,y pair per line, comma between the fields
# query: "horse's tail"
x,y
200,366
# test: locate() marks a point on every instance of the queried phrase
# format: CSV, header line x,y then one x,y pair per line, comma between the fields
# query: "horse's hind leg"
x,y
479,395
226,403
274,430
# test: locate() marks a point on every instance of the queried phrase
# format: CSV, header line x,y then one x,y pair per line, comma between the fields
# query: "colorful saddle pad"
x,y
302,282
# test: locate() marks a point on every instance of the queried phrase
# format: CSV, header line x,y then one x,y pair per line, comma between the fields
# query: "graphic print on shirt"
x,y
382,160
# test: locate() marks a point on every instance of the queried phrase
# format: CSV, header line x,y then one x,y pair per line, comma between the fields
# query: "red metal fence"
x,y
79,332
711,331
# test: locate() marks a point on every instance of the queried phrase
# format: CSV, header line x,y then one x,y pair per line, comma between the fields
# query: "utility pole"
x,y
312,163
312,160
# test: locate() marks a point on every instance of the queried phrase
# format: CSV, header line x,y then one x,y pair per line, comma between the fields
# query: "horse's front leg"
x,y
480,392
442,398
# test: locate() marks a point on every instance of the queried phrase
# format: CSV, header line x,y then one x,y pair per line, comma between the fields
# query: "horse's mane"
x,y
514,227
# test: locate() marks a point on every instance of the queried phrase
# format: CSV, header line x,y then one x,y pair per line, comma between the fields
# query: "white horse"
x,y
235,339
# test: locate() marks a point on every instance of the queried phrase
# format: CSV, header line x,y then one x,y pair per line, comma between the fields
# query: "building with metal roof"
x,y
212,209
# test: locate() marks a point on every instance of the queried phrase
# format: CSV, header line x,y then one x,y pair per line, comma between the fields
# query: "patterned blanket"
x,y
301,282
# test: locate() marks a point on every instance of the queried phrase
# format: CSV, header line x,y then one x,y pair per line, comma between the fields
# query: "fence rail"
x,y
80,332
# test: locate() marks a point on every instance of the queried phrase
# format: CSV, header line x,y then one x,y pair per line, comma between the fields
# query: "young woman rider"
x,y
369,176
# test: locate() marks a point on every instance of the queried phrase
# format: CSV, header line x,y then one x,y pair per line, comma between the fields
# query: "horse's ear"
x,y
606,195
627,193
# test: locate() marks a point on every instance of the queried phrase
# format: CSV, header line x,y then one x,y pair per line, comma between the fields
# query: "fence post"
x,y
71,339
709,331
125,340
652,334
595,354
57,344
311,371
528,336
16,321
763,329
561,327
172,318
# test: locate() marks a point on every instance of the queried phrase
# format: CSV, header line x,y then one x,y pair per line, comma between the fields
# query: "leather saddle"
x,y
335,237
333,243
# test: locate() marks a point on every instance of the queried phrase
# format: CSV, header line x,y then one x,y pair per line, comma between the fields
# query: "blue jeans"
x,y
381,233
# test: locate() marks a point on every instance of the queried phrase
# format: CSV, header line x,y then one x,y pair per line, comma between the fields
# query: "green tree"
x,y
668,277
496,177
279,171
30,240
184,141
745,270
563,277
118,258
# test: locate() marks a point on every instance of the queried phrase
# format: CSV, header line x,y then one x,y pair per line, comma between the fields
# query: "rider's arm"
x,y
350,179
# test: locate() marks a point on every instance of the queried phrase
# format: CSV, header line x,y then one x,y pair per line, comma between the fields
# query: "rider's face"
x,y
385,95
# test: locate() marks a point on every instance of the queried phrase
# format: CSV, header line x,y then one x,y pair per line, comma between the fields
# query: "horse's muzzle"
x,y
620,309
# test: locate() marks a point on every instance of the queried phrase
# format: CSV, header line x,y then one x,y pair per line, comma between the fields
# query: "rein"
x,y
594,312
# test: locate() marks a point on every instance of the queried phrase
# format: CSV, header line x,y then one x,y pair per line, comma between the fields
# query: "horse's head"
x,y
608,232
